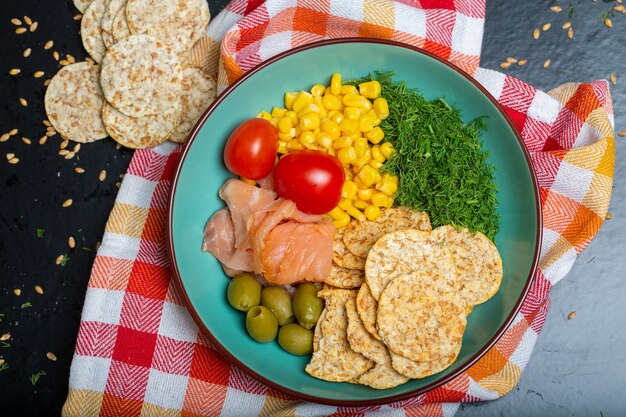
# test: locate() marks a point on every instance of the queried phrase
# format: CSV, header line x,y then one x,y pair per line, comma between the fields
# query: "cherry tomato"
x,y
312,179
251,149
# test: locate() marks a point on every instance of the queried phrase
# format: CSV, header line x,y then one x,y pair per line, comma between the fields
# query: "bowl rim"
x,y
286,390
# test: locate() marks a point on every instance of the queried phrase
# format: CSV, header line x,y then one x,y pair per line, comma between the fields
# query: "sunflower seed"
x,y
546,63
26,140
522,62
10,156
76,148
23,102
556,9
14,160
28,20
68,202
103,175
78,16
536,34
16,21
570,33
59,259
505,65
48,44
4,137
38,290
567,25
51,356
70,58
63,152
5,336
43,140
608,23
511,59
26,52
19,31
79,170
63,144
14,71
33,27
70,155
546,27
571,315
71,242
13,132
39,74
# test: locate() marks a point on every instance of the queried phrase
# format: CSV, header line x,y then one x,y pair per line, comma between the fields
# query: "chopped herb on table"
x,y
35,377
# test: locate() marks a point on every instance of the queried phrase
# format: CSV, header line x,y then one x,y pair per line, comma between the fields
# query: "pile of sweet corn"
x,y
342,120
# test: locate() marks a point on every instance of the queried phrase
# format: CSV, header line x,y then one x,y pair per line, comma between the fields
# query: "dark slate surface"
x,y
579,365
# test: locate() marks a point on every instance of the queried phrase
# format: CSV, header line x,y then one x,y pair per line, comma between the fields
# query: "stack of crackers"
x,y
138,86
398,298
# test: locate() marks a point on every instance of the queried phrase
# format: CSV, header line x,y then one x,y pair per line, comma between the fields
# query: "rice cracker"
x,y
91,31
341,277
478,263
180,23
334,360
342,256
416,370
359,237
419,321
198,92
74,102
120,29
382,376
82,5
110,11
405,251
141,76
367,307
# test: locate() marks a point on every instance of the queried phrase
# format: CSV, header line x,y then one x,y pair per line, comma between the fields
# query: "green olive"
x,y
261,324
244,292
296,339
278,300
307,306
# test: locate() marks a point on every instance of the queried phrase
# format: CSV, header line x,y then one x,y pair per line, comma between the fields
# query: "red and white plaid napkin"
x,y
138,351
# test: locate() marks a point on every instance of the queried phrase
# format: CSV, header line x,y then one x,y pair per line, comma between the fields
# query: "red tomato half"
x,y
312,179
251,149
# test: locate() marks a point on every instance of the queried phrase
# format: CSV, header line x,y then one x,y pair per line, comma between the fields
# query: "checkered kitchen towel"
x,y
138,350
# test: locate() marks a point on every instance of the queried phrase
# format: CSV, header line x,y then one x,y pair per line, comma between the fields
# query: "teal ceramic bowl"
x,y
201,172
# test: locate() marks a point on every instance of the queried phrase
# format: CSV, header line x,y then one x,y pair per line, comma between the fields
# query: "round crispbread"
x,y
478,263
418,319
359,237
82,5
141,76
74,102
108,39
317,333
198,92
140,132
341,277
382,376
110,11
343,257
334,360
367,307
91,31
180,23
405,251
413,369
120,29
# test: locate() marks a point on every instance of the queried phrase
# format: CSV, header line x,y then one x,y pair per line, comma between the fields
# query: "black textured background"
x,y
32,192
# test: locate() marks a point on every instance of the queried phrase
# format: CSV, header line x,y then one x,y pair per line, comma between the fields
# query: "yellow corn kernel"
x,y
346,155
387,187
331,151
366,106
349,190
360,204
248,181
368,175
343,142
352,113
331,128
377,154
285,125
356,134
282,147
381,200
381,108
360,146
317,90
375,119
278,112
324,140
317,101
362,161
356,213
290,97
309,108
386,149
264,115
295,145
293,116
341,223
372,212
390,178
335,84
370,89
310,121
348,126
307,139
375,164
285,136
366,123
332,102
375,135
365,195
348,89
302,100
274,121
340,217
353,100
344,204
336,116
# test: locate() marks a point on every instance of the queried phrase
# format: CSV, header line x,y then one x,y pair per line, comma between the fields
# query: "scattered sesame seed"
x,y
556,9
90,60
68,202
619,8
63,152
14,71
51,133
13,132
608,23
70,155
622,133
79,170
39,74
14,161
48,44
567,25
23,102
16,21
103,175
118,146
19,31
47,82
51,356
64,144
76,148
122,176
64,62
613,78
43,140
38,290
5,336
33,27
608,216
71,242
10,156
118,184
570,33
536,34
28,20
505,65
511,59
1,361
546,63
59,259
4,137
26,140
17,292
46,123
522,62
546,27
571,315
70,58
78,16
26,52
55,55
